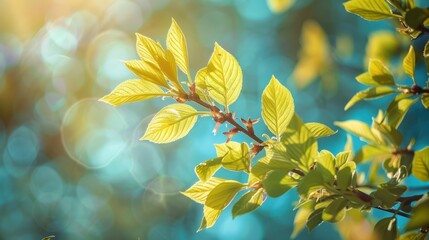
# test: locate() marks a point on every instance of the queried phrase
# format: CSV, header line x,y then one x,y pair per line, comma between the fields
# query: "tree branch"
x,y
397,212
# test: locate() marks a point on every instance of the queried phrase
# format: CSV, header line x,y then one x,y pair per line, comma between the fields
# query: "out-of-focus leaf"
x,y
315,219
319,130
409,63
380,73
419,215
413,236
147,71
420,168
248,202
171,123
277,107
416,17
425,100
386,229
199,191
279,6
382,45
426,56
301,217
397,109
176,43
224,77
370,93
132,91
389,133
278,182
369,9
205,170
369,152
358,128
336,211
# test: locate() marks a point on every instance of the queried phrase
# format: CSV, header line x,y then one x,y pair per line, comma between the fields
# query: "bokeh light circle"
x,y
93,133
46,184
92,192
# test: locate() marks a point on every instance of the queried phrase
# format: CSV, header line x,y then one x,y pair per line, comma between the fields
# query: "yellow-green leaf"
x,y
365,78
319,130
277,107
210,217
222,194
224,77
278,182
168,67
132,91
420,167
201,86
148,49
326,165
380,73
409,63
223,148
370,93
335,211
147,71
425,100
419,217
370,152
205,170
237,159
200,190
397,109
369,9
301,217
279,6
171,123
248,202
176,43
310,183
358,128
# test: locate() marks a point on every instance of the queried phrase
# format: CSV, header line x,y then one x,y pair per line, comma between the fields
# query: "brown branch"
x,y
397,212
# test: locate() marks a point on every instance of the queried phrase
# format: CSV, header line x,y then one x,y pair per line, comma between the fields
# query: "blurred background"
x,y
73,167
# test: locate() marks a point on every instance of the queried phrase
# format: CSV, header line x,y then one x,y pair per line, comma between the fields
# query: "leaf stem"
x,y
397,212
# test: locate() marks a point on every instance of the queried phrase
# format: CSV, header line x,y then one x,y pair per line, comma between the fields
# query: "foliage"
x,y
328,184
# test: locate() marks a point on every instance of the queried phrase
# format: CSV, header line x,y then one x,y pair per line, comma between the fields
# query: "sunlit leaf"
x,y
358,128
199,191
205,170
369,9
148,49
335,211
210,217
380,73
132,91
224,77
365,78
277,107
147,71
176,43
171,123
386,229
326,165
397,109
370,93
278,182
389,133
310,183
222,194
279,6
342,158
237,159
301,217
319,130
201,86
248,202
419,215
369,152
168,67
420,167
409,63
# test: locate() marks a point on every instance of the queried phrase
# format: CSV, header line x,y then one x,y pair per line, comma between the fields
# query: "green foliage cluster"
x,y
328,184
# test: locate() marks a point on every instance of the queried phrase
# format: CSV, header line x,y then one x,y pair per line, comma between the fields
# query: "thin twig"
x,y
397,212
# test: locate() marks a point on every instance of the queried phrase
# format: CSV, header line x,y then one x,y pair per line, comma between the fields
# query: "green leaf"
x,y
420,167
222,194
426,56
199,191
380,73
387,196
386,229
326,166
397,109
147,71
389,133
369,152
336,210
369,9
277,107
310,183
261,167
409,63
319,130
358,128
132,91
370,93
224,77
205,170
315,219
344,176
366,79
301,217
248,202
236,156
276,159
278,182
415,17
425,100
342,158
176,43
210,217
413,236
419,215
171,123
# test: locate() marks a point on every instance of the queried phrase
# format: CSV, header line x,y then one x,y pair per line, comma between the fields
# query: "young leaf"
x,y
315,219
386,229
326,166
379,72
205,170
237,159
148,49
389,133
210,217
132,91
168,67
248,202
279,6
344,177
224,77
335,211
171,123
278,182
201,86
419,215
199,191
176,43
358,128
409,63
369,9
397,109
342,158
370,93
366,79
277,107
222,194
319,130
310,183
147,71
420,163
